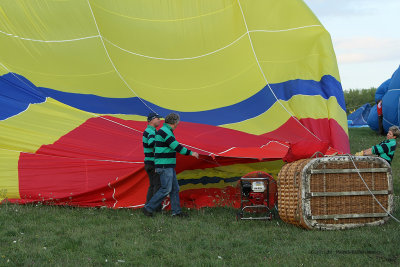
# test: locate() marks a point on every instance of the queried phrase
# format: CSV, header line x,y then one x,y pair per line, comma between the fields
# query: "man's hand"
x,y
367,152
195,154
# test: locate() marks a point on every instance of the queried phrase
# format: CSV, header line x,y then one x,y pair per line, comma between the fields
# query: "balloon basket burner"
x,y
255,198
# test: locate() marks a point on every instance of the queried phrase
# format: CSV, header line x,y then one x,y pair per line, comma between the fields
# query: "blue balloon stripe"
x,y
246,109
16,94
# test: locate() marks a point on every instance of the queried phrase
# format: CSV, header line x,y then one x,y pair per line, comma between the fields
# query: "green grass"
x,y
51,235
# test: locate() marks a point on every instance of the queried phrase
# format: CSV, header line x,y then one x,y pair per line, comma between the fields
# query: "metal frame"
x,y
350,193
306,194
347,216
348,170
240,214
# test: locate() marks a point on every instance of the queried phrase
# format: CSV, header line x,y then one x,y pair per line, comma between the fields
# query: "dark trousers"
x,y
169,185
380,122
154,179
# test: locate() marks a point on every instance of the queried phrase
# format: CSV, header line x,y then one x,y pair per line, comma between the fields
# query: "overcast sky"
x,y
366,38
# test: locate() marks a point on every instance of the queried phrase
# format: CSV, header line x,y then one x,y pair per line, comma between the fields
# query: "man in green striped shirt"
x,y
386,148
149,142
165,161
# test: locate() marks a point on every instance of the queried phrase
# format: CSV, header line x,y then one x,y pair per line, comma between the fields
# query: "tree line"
x,y
355,98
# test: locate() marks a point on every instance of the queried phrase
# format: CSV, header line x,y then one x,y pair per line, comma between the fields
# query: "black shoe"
x,y
147,213
159,209
180,215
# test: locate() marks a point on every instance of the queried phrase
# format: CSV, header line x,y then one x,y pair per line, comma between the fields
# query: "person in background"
x,y
386,148
149,141
379,94
165,162
380,117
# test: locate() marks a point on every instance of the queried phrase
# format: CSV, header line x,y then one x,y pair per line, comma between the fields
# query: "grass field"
x,y
49,235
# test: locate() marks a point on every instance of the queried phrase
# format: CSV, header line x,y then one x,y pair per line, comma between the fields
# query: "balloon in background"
x,y
389,93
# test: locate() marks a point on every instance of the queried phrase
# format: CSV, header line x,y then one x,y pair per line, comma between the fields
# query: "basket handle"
x,y
297,210
295,178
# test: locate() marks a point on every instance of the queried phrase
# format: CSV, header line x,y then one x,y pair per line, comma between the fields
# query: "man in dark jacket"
x,y
149,135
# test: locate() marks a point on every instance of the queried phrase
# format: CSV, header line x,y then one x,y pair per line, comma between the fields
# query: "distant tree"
x,y
355,98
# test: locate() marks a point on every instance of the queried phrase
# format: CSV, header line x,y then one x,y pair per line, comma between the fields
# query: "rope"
x,y
366,185
265,78
112,62
391,124
209,53
316,154
72,158
274,142
48,41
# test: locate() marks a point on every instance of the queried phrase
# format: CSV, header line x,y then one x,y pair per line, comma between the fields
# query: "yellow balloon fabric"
x,y
262,67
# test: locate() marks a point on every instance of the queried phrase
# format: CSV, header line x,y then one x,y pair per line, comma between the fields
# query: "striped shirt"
x,y
148,144
385,149
166,148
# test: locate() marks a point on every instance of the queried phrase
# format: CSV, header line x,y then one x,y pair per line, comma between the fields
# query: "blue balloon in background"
x,y
389,93
373,119
359,117
381,91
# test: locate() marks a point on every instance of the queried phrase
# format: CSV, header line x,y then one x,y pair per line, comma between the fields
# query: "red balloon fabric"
x,y
100,163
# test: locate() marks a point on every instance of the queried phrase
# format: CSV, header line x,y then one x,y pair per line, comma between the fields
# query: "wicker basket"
x,y
327,193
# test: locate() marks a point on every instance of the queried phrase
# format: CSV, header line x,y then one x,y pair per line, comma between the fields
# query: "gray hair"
x,y
395,131
172,118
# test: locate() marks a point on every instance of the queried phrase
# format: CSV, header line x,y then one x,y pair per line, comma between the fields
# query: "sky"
x,y
365,36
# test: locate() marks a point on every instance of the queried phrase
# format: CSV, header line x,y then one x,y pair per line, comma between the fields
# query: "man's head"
x,y
154,119
172,119
393,132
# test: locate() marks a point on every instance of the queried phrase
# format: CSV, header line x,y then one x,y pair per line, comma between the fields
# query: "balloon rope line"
x,y
366,185
391,124
265,78
73,158
113,195
274,142
212,162
209,53
49,41
316,154
96,36
135,206
133,129
111,61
